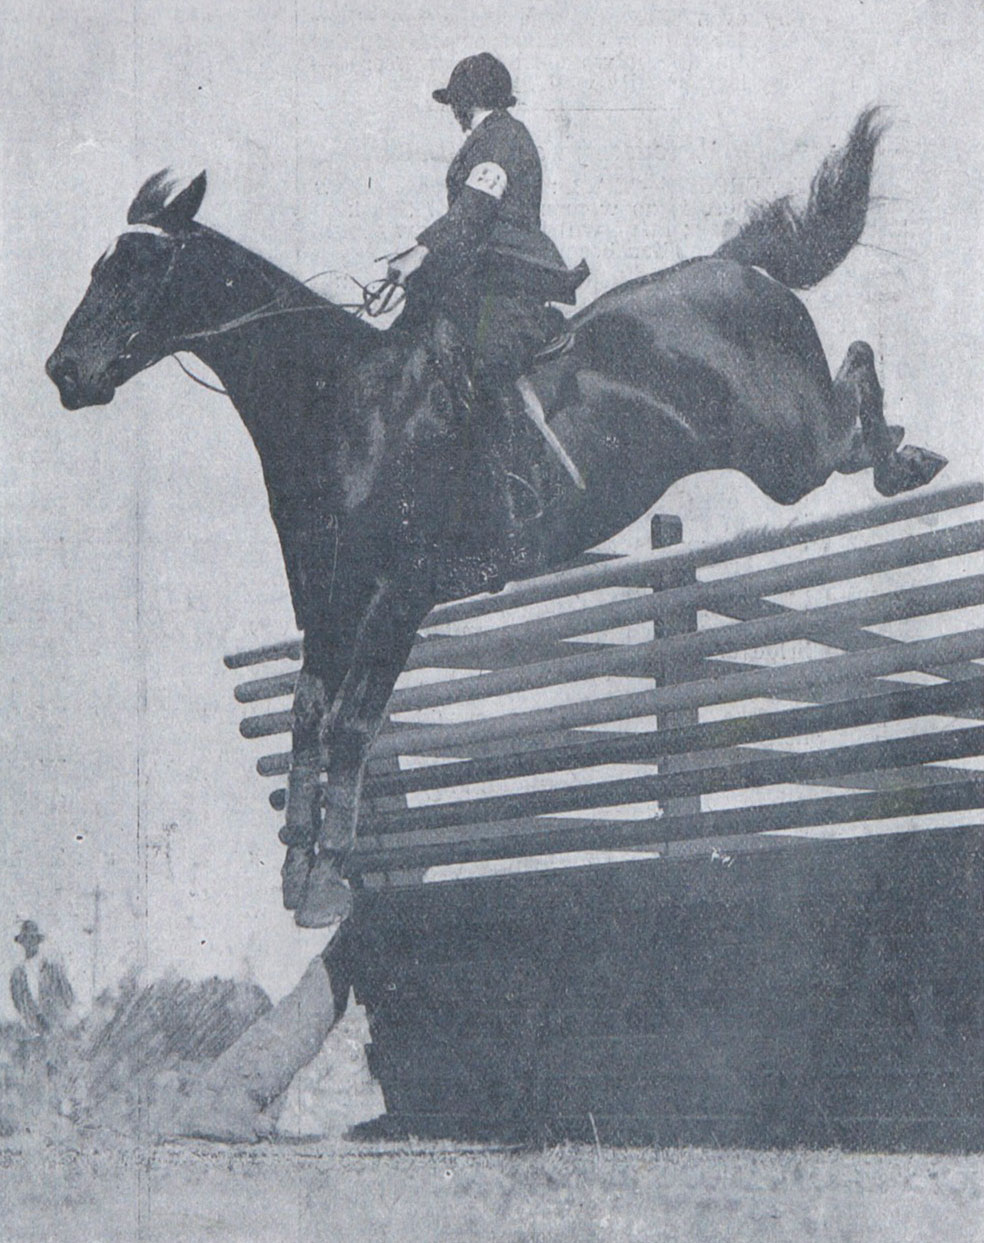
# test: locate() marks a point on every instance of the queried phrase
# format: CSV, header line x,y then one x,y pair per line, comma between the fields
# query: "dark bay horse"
x,y
379,485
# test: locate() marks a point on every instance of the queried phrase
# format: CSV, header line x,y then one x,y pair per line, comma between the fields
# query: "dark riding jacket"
x,y
493,218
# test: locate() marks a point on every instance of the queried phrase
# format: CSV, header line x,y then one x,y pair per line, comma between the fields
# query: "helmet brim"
x,y
443,96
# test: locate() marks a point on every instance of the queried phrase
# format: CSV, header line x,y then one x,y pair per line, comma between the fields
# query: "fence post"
x,y
665,531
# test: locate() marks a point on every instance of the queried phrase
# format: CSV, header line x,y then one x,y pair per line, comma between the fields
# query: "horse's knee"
x,y
856,382
310,702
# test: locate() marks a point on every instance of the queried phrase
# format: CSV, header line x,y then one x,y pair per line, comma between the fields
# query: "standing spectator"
x,y
39,986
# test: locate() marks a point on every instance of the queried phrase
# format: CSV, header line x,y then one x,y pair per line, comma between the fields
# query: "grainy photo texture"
x,y
492,615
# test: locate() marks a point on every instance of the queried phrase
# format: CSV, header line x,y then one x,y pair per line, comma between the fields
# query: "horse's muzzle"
x,y
76,393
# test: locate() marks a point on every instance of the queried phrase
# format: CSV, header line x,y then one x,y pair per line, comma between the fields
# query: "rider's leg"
x,y
511,329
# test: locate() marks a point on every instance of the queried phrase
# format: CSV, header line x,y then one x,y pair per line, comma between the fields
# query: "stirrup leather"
x,y
554,348
534,412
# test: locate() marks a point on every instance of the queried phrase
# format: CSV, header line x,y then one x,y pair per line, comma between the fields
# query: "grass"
x,y
83,1176
317,1192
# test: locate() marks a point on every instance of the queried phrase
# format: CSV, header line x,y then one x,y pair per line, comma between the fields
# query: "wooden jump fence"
x,y
681,707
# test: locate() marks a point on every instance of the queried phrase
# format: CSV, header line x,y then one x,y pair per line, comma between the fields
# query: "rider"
x,y
486,265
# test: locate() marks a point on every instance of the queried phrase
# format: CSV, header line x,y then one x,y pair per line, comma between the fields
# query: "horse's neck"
x,y
266,330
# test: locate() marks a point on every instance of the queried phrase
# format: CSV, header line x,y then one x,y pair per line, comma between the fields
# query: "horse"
x,y
378,472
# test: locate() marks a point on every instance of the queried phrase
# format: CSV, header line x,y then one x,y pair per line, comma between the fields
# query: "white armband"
x,y
489,179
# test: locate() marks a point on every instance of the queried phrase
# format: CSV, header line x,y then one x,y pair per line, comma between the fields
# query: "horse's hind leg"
x,y
873,442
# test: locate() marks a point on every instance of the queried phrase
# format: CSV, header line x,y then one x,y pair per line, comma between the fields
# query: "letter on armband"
x,y
489,179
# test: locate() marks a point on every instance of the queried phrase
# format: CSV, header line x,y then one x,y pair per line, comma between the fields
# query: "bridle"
x,y
378,298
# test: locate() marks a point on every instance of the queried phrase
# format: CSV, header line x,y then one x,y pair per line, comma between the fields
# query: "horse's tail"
x,y
801,247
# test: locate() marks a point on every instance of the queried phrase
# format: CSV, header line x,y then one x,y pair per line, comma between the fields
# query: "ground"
x,y
321,1192
94,1181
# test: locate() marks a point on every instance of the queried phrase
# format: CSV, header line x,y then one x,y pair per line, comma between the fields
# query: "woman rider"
x,y
486,264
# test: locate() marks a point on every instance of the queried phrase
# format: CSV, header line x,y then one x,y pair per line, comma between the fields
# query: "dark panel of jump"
x,y
819,994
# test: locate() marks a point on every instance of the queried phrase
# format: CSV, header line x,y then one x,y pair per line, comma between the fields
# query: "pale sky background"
x,y
137,549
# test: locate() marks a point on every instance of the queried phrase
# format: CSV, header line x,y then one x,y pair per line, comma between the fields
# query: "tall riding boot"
x,y
515,483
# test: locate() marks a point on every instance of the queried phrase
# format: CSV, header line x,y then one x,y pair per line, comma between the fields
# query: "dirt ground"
x,y
321,1192
63,1183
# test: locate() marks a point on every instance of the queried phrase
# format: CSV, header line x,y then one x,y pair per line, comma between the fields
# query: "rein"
x,y
378,297
212,388
373,304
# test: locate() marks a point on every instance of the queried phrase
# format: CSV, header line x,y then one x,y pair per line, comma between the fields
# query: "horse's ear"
x,y
184,198
162,201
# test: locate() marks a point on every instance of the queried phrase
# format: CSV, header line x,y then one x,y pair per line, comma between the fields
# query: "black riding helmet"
x,y
481,81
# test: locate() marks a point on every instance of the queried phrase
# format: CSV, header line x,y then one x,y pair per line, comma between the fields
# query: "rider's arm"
x,y
404,265
467,222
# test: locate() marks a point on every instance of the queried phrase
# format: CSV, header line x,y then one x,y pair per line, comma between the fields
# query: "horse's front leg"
x,y
303,815
327,657
380,651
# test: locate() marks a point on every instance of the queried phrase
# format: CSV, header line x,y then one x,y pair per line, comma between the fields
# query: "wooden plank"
x,y
588,750
671,622
777,769
281,684
873,779
529,836
845,637
519,640
592,578
278,763
677,649
436,651
644,659
916,506
790,681
287,649
652,746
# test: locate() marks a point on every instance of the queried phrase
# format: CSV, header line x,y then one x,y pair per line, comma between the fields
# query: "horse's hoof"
x,y
909,467
327,897
922,464
859,357
224,1114
294,875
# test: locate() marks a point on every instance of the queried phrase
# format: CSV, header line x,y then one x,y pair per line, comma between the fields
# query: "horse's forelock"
x,y
163,195
151,199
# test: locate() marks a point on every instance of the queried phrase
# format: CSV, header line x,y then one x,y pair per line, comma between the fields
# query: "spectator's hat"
x,y
29,933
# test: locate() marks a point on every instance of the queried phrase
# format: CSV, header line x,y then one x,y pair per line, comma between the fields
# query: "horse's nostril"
x,y
64,372
116,372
